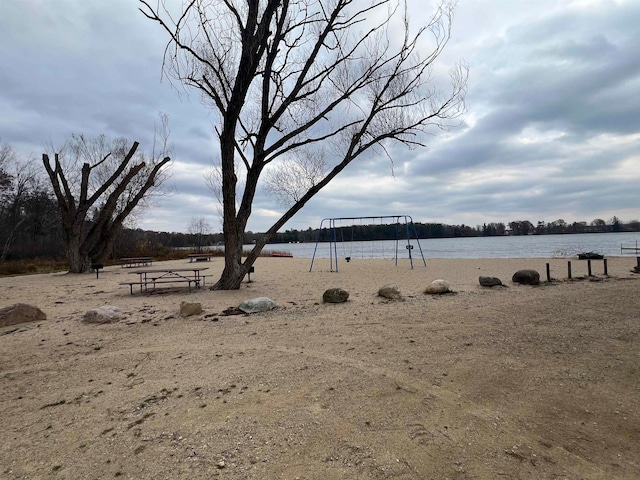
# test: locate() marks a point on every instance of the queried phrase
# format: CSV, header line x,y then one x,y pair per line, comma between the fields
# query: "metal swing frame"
x,y
333,236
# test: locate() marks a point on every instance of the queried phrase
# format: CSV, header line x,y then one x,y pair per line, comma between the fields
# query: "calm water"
x,y
545,246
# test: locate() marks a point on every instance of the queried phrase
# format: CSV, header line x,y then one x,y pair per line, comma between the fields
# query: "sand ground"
x,y
513,382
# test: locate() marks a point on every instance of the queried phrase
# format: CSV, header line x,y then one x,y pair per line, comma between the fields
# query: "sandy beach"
x,y
526,382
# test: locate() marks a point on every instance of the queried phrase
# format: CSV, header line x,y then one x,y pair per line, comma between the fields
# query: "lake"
x,y
528,246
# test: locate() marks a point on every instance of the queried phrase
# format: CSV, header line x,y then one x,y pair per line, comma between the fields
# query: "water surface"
x,y
528,246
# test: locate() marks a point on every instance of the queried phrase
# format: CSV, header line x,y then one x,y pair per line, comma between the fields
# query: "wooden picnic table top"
x,y
134,258
169,270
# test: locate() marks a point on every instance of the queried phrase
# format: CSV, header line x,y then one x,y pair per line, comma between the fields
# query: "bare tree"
x,y
599,224
112,181
292,75
199,227
17,181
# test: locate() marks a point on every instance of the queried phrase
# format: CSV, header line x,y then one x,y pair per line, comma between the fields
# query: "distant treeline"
x,y
31,227
371,232
139,242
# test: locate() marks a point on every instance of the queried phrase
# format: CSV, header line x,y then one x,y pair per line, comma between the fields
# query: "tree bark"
x,y
77,257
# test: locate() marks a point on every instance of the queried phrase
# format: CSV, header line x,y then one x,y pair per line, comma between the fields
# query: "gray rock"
x,y
490,281
104,314
391,292
526,277
190,308
437,287
20,313
255,305
335,295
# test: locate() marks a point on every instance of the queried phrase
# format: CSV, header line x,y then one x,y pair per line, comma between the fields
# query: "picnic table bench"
x,y
135,262
153,277
200,257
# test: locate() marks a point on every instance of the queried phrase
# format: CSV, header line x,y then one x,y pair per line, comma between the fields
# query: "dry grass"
x,y
31,266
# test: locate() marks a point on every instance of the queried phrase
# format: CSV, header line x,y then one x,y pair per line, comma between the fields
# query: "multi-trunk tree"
x,y
294,77
95,201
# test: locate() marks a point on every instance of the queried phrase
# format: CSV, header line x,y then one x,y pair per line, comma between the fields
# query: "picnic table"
x,y
130,262
153,277
200,257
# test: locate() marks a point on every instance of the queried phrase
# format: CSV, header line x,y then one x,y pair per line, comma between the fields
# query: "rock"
x,y
20,313
526,277
391,292
437,287
104,314
190,308
335,295
254,305
490,281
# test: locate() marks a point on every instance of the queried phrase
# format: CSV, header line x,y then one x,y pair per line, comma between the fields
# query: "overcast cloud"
x,y
552,129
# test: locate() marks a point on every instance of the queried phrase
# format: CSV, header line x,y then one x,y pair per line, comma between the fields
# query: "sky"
x,y
552,128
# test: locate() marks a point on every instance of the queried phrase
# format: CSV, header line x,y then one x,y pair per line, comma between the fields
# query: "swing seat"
x,y
348,259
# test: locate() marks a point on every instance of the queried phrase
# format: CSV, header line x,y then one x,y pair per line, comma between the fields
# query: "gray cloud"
x,y
552,129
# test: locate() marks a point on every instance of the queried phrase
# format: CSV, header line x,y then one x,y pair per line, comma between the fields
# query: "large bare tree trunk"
x,y
77,258
232,274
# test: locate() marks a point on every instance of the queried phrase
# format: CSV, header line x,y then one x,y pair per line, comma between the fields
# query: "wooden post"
x,y
548,273
251,270
606,270
569,268
589,267
638,260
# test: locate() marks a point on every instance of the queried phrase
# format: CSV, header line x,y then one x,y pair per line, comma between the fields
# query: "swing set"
x,y
359,231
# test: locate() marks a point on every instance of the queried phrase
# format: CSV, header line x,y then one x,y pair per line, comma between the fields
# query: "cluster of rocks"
x,y
22,313
523,277
253,305
437,287
390,291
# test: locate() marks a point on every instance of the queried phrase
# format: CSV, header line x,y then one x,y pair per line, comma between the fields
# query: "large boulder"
x,y
20,313
526,277
438,287
104,314
335,295
490,281
391,292
190,308
255,305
